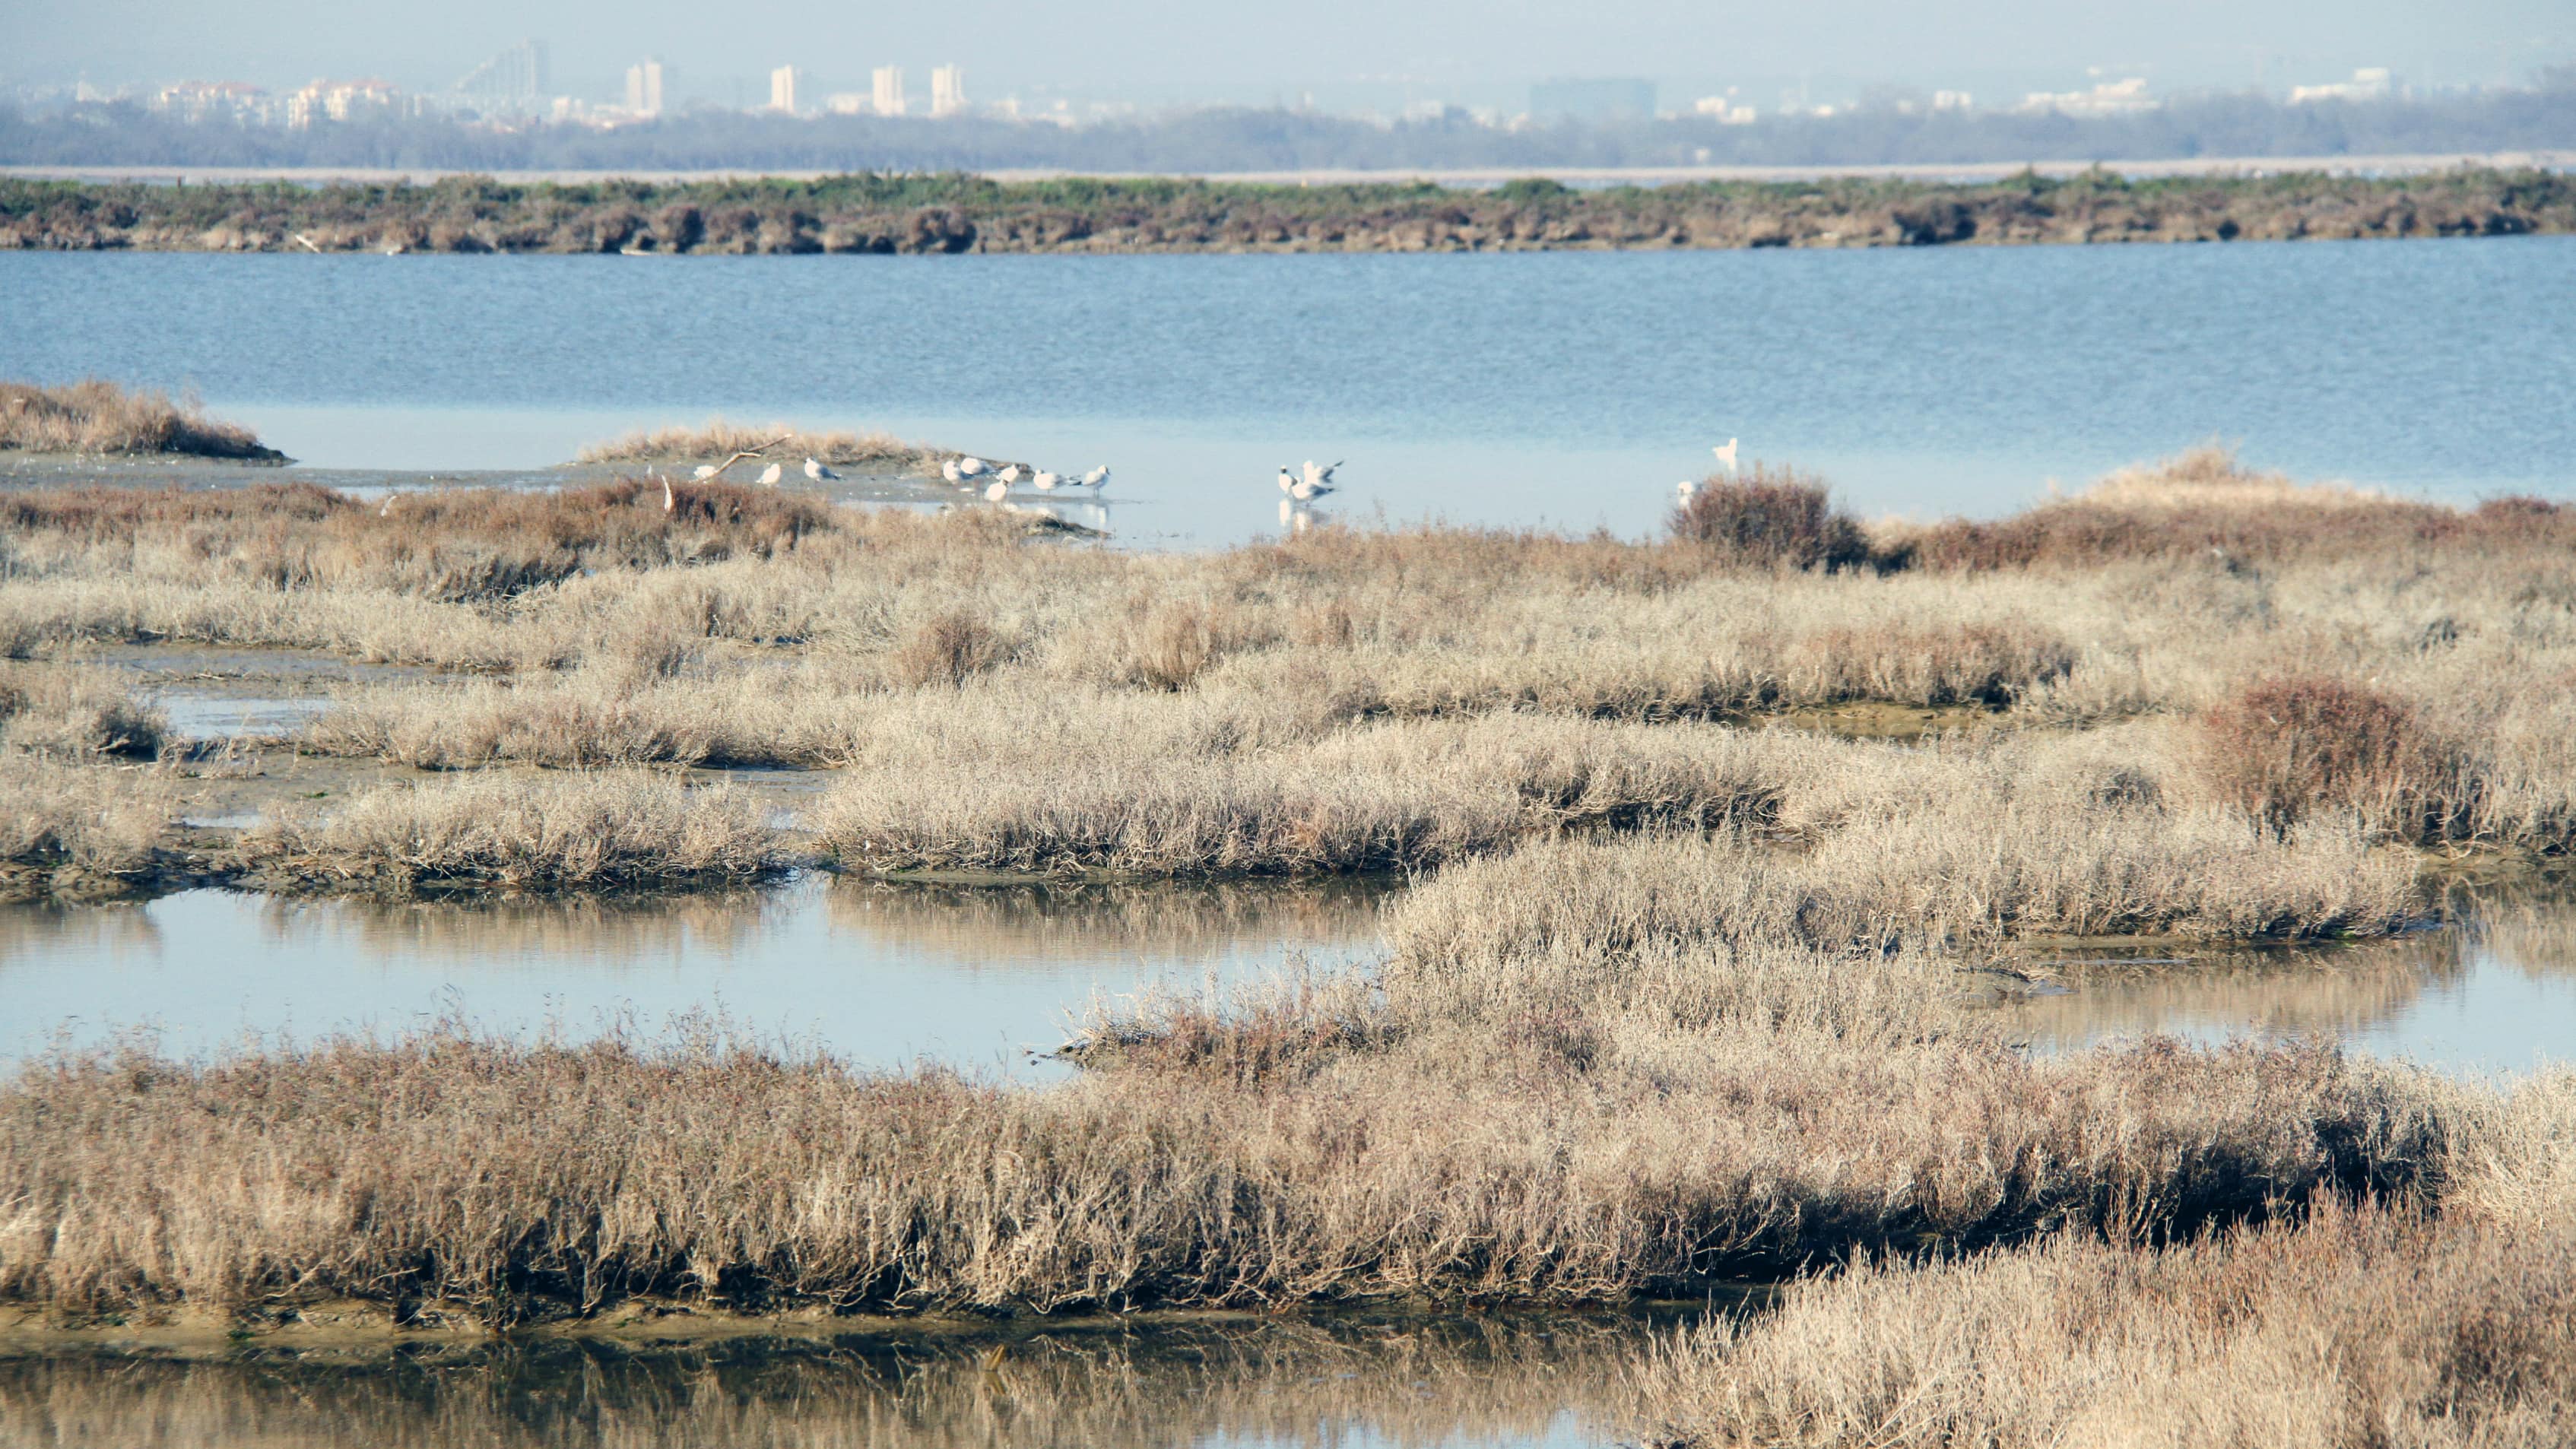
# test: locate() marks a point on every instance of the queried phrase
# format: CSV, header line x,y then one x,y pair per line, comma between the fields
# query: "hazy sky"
x,y
1172,49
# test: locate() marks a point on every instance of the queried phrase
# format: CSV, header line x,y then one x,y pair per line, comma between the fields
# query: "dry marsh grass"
x,y
2206,503
718,439
608,830
96,416
513,1181
2356,1327
76,714
454,546
91,820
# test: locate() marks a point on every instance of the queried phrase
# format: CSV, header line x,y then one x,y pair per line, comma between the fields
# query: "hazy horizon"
x,y
1157,51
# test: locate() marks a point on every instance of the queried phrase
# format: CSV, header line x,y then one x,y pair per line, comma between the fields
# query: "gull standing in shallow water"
x,y
1097,478
770,475
1009,475
1045,482
971,467
816,471
950,471
996,491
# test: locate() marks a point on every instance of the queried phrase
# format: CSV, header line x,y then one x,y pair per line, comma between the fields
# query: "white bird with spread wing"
x,y
1726,456
1317,482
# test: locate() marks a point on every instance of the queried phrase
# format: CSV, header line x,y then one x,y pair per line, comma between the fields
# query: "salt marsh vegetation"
x,y
99,417
1683,989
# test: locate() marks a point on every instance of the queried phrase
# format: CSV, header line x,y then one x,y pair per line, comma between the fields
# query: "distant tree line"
x,y
1218,140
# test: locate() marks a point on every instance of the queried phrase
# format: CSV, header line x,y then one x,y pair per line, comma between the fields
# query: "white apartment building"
x,y
644,88
889,90
948,90
782,89
341,101
197,102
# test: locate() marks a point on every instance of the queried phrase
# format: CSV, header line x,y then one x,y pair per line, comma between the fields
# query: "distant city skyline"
x,y
1346,54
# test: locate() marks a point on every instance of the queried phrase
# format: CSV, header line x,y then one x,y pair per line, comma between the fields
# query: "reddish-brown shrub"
x,y
1770,518
948,648
2285,747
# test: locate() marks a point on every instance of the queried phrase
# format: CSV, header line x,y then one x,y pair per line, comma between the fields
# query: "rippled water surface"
x,y
1570,389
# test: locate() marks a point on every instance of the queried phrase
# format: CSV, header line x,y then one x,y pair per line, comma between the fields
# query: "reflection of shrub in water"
x,y
1403,1380
976,924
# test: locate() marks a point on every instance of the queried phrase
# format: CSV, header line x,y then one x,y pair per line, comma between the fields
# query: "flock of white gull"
x,y
1297,486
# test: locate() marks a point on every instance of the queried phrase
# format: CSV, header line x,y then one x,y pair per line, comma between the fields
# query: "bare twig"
x,y
760,451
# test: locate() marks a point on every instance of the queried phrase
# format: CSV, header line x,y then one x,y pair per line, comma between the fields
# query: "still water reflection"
x,y
976,975
2495,993
877,972
1524,1381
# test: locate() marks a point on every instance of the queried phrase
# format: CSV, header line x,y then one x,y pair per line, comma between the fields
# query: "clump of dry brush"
x,y
95,416
1770,517
717,440
2433,1323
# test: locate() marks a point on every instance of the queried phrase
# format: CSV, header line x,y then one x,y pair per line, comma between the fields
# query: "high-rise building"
x,y
889,90
644,88
782,89
948,90
513,81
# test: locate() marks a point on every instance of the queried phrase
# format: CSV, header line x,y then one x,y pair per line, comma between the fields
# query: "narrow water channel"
x,y
978,976
881,974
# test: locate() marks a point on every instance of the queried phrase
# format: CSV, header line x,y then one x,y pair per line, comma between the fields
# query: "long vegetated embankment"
x,y
1678,994
867,213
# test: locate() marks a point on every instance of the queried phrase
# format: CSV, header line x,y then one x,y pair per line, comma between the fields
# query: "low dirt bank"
x,y
952,214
